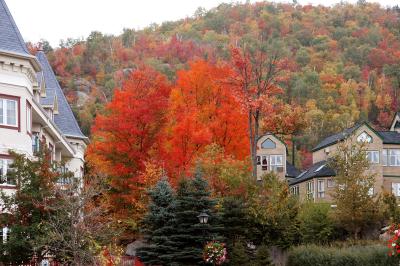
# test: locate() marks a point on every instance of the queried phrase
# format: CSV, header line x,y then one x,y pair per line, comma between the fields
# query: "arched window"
x,y
268,144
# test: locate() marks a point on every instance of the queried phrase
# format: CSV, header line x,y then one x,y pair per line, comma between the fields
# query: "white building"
x,y
33,108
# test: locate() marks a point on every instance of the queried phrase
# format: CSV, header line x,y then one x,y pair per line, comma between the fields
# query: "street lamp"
x,y
203,217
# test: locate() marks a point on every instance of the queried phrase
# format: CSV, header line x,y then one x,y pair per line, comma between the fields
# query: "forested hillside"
x,y
342,62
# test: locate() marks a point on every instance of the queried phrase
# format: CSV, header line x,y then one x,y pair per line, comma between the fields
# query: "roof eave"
x,y
32,59
84,138
295,182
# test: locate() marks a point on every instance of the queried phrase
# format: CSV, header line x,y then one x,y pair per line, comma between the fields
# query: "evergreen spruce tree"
x,y
263,257
158,226
192,198
238,255
234,220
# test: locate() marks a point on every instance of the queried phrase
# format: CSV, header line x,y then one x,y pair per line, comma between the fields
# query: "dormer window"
x,y
364,137
268,144
319,168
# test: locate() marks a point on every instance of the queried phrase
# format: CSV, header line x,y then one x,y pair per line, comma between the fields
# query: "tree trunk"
x,y
293,150
252,145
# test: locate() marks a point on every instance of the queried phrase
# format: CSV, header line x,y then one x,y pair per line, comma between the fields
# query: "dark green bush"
x,y
312,255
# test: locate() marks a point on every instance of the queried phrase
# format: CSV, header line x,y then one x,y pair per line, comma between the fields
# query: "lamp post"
x,y
203,217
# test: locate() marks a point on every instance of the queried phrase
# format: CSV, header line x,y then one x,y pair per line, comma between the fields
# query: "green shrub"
x,y
316,226
312,255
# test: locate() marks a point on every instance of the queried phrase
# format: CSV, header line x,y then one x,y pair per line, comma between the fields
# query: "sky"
x,y
56,20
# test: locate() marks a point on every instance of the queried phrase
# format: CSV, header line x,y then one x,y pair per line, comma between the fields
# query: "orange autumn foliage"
x,y
127,136
203,111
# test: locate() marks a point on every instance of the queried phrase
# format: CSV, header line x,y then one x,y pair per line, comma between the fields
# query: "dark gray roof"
x,y
65,119
10,37
390,137
50,97
336,138
312,172
291,171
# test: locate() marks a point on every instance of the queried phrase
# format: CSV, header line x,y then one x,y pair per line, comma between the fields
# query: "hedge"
x,y
312,255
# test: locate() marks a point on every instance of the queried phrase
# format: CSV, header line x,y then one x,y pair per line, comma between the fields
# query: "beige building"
x,y
383,152
33,109
272,157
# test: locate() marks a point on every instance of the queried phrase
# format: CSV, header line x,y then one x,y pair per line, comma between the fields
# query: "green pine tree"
x,y
234,220
193,197
263,257
238,255
158,226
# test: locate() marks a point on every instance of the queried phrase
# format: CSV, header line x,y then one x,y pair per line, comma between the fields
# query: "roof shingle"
x,y
291,170
65,119
10,37
335,138
323,171
390,137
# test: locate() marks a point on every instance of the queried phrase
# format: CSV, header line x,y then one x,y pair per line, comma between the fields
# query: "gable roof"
x,y
291,170
65,119
323,171
10,37
390,137
333,139
396,115
271,134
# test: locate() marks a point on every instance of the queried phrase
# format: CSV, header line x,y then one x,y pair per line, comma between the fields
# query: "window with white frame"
x,y
321,188
28,118
373,157
330,182
295,190
391,157
4,234
6,172
8,112
396,189
275,161
310,190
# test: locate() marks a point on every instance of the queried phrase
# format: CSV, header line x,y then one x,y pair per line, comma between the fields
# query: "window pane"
x,y
376,156
2,171
392,160
1,112
268,144
384,157
10,179
11,112
28,118
273,160
264,160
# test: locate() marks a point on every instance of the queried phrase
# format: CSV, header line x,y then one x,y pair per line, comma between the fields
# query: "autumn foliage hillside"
x,y
344,65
